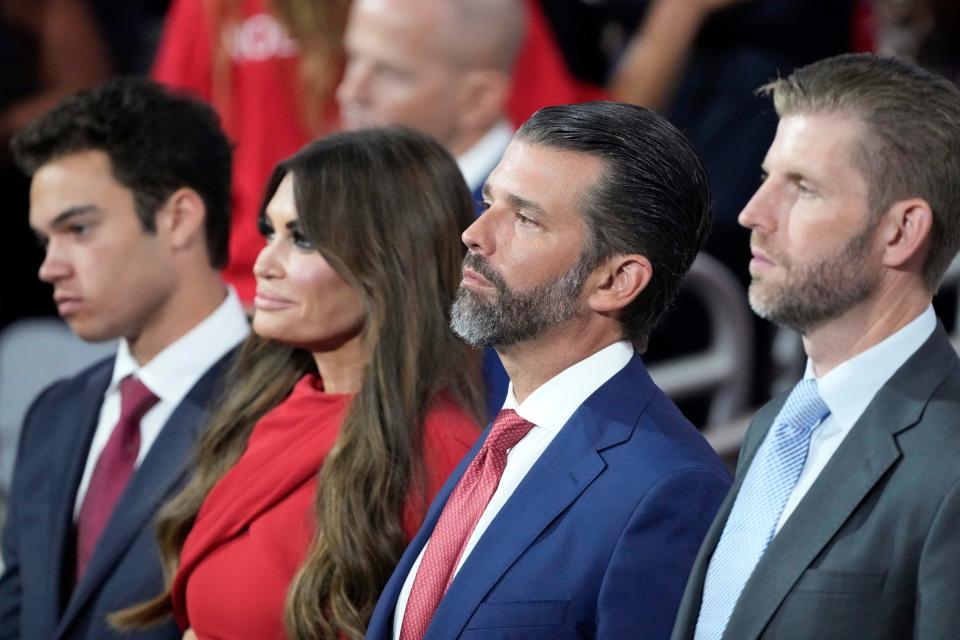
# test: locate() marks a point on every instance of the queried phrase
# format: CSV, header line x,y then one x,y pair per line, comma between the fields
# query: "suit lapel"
x,y
161,471
693,593
563,472
382,619
73,438
864,457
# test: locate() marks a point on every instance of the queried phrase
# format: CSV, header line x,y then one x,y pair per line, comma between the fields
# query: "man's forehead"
x,y
816,138
401,19
534,159
543,174
70,182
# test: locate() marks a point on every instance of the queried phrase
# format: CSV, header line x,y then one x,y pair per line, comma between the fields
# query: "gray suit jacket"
x,y
873,549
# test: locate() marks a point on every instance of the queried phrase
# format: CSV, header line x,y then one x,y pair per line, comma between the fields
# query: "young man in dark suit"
x,y
844,519
130,197
579,512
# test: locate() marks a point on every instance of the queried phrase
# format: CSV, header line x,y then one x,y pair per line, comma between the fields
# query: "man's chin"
x,y
472,320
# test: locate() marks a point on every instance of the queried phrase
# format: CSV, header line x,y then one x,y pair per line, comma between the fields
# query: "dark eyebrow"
x,y
523,203
65,216
516,201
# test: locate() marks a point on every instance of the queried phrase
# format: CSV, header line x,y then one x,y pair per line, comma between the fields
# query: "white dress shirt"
x,y
548,408
847,390
169,375
480,159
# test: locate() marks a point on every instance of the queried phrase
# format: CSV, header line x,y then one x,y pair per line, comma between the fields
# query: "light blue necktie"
x,y
753,519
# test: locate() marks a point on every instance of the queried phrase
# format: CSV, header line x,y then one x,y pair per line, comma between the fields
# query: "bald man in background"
x,y
442,67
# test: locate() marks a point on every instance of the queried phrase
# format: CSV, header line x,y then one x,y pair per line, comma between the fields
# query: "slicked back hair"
x,y
652,198
910,146
157,142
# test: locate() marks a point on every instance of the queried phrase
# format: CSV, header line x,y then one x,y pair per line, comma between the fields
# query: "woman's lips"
x,y
268,301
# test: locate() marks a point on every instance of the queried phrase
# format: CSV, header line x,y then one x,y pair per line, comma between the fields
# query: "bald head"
x,y
484,33
440,66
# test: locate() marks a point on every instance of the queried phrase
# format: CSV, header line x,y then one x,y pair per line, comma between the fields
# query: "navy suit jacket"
x,y
36,601
598,538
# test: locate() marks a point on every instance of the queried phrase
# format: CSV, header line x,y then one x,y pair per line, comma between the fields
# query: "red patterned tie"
x,y
113,469
467,502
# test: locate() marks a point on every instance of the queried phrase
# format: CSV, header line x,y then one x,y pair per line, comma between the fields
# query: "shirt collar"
x,y
173,372
553,402
477,162
849,387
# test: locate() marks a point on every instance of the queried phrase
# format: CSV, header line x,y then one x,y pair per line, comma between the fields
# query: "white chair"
x,y
725,367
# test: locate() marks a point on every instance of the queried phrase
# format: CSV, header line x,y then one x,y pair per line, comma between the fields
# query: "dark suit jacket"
x,y
598,538
35,598
873,549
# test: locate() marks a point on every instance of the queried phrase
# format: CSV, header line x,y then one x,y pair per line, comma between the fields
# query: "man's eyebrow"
x,y
515,201
523,203
65,216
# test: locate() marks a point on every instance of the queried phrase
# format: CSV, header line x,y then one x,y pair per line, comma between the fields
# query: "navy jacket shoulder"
x,y
37,596
598,538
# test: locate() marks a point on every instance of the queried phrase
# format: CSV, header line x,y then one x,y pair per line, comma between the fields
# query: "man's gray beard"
x,y
515,316
815,294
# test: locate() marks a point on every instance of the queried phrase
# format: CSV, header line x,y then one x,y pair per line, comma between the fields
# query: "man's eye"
x,y
525,220
79,230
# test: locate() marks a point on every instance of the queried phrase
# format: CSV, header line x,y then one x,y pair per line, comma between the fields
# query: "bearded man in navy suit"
x,y
579,512
130,196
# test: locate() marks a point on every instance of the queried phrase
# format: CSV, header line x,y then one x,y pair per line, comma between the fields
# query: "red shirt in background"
x,y
262,113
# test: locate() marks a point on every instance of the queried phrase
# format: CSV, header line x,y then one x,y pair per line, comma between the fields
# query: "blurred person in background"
x,y
442,67
269,68
48,50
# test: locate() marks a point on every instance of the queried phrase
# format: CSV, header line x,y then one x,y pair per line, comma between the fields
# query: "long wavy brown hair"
x,y
385,208
317,26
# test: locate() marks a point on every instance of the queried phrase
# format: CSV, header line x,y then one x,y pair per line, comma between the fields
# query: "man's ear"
x,y
182,219
906,229
618,281
482,96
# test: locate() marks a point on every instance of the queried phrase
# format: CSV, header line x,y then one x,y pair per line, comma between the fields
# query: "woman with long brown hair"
x,y
346,410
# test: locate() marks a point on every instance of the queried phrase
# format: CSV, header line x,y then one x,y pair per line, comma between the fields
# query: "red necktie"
x,y
113,469
467,502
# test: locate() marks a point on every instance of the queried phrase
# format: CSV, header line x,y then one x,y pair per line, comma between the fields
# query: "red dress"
x,y
252,532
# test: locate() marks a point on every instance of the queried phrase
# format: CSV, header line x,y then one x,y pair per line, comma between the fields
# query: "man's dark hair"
x,y
157,142
653,198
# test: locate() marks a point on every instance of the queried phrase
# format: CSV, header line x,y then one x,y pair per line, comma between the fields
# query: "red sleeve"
x,y
448,434
184,56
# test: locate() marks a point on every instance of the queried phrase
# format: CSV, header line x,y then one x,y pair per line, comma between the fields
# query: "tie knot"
x,y
804,407
508,429
135,399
